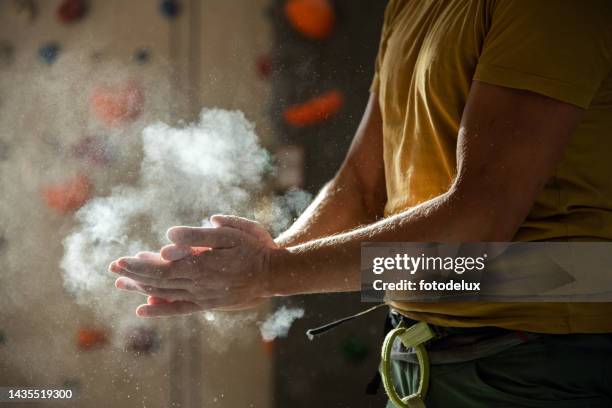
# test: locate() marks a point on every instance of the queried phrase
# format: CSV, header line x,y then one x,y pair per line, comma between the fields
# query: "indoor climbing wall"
x,y
321,67
79,80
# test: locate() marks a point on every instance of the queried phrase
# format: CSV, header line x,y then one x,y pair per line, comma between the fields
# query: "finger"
x,y
119,265
243,224
171,295
180,283
154,268
222,237
242,305
226,303
148,255
152,300
182,308
175,252
207,268
113,267
168,309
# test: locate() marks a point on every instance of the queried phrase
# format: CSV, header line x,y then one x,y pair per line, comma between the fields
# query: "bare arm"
x,y
356,195
508,145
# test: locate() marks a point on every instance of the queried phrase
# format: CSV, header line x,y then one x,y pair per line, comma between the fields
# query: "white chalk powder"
x,y
186,175
279,323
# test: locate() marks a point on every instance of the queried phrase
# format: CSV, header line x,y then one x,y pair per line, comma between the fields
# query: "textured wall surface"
x,y
202,58
333,370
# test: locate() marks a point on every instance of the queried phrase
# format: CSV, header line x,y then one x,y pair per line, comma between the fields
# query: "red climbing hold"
x,y
71,10
70,195
117,105
264,66
314,19
315,110
91,339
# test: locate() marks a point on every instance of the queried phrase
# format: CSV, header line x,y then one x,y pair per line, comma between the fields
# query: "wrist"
x,y
287,239
278,273
281,241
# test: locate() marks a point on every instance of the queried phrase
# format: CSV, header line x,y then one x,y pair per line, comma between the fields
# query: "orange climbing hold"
x,y
117,105
69,196
90,339
314,19
315,110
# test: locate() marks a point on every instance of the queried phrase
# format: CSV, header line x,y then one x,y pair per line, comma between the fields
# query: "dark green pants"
x,y
559,371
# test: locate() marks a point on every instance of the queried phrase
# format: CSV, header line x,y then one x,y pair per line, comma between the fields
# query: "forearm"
x,y
332,264
356,195
339,206
509,145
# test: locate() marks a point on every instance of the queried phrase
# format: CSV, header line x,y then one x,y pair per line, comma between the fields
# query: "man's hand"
x,y
224,267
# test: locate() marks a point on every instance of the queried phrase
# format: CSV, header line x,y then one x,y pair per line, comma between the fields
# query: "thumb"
x,y
250,227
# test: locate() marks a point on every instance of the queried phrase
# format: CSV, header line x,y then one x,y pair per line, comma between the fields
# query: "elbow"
x,y
487,213
367,189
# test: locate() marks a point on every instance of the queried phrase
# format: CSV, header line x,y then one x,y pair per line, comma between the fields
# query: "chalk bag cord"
x,y
415,336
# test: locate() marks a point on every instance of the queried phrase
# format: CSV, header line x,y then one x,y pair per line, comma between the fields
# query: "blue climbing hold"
x,y
49,52
169,8
142,55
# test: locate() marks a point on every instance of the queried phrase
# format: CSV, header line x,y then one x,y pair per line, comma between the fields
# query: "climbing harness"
x,y
413,337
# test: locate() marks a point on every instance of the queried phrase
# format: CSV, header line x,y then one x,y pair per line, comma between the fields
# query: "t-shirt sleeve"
x,y
390,12
558,48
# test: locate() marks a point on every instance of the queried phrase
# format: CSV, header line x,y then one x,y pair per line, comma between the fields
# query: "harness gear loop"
x,y
415,337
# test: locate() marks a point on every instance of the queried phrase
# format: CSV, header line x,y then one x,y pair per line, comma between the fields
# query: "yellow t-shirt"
x,y
430,52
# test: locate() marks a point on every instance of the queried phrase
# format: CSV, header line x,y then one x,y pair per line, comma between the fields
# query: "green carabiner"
x,y
414,337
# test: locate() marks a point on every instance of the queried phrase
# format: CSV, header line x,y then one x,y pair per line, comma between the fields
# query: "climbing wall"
x,y
322,63
78,82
